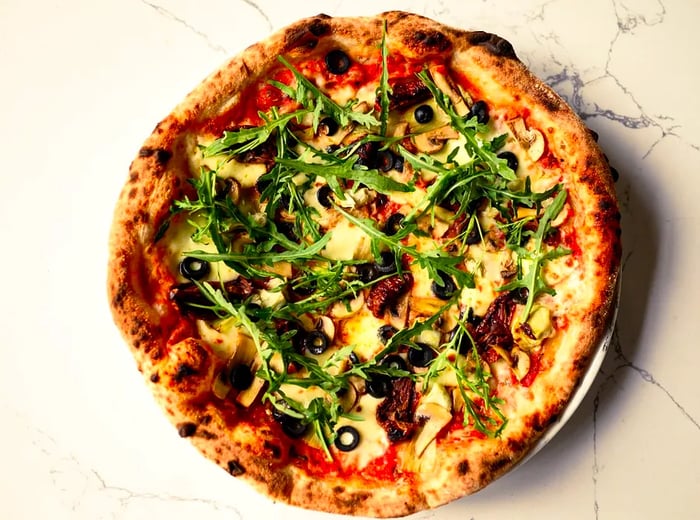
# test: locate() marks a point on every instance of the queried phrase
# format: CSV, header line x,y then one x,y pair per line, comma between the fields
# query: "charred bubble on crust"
x,y
432,40
183,371
494,44
161,155
186,429
319,26
235,468
155,377
463,467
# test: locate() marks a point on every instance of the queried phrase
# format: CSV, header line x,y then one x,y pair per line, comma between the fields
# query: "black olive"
x,y
385,160
293,427
315,342
194,269
380,200
337,62
398,163
423,114
386,332
473,318
421,356
262,183
353,358
447,289
347,438
393,224
520,295
386,264
332,148
481,110
378,386
324,195
395,361
327,126
287,229
510,158
366,272
473,237
241,377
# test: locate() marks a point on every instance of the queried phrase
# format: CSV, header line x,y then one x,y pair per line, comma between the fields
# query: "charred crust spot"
x,y
432,40
132,192
497,465
205,420
206,434
235,468
338,489
319,27
183,371
186,429
274,449
494,44
161,155
155,377
133,176
463,467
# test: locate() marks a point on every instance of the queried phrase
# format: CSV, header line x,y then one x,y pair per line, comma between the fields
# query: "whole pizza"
x,y
364,265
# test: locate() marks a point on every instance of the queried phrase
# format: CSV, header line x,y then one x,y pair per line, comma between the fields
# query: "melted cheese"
x,y
373,438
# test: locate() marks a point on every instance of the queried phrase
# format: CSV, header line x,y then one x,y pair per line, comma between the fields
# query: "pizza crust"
x,y
180,369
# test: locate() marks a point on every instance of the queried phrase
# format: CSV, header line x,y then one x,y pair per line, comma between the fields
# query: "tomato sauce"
x,y
534,369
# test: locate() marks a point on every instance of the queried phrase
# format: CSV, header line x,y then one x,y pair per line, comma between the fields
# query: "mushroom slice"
x,y
521,364
437,418
445,84
531,139
434,141
325,324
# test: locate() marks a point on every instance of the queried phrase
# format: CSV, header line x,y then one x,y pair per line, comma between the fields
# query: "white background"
x,y
83,83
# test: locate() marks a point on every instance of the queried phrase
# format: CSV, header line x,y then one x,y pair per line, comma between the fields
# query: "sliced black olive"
x,y
293,427
385,160
386,263
337,62
315,342
287,229
481,110
393,224
398,163
423,114
378,386
347,438
473,318
510,158
194,269
366,272
386,332
520,295
241,377
395,361
421,356
353,358
332,148
327,126
447,289
473,237
324,195
262,183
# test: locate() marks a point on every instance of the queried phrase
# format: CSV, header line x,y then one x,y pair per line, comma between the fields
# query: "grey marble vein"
x,y
172,16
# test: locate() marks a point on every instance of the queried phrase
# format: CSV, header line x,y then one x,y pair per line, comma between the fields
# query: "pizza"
x,y
364,264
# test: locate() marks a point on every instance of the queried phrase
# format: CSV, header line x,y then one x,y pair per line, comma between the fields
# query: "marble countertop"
x,y
84,83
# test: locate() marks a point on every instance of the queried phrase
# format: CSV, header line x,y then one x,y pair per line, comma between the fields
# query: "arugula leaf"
x,y
384,89
347,169
315,101
537,256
